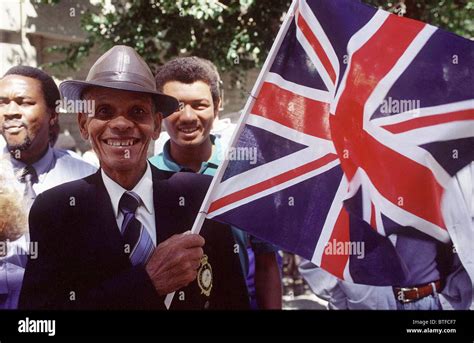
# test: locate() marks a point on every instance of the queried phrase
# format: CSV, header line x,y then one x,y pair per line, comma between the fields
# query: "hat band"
x,y
113,76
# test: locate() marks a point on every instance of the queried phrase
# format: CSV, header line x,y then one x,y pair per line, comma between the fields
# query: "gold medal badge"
x,y
204,278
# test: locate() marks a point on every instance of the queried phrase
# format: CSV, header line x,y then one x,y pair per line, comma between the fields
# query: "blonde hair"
x,y
13,212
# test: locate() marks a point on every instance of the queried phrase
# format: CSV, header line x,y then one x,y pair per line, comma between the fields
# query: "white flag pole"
x,y
201,216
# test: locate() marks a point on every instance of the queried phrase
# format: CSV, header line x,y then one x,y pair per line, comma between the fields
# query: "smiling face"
x,y
24,116
191,124
121,130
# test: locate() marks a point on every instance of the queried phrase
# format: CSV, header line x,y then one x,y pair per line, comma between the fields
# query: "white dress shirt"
x,y
146,210
56,167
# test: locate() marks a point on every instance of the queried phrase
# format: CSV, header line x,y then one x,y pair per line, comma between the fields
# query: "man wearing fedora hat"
x,y
116,239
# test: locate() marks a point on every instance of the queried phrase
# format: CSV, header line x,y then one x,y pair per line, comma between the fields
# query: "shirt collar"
x,y
144,188
168,160
216,157
214,161
42,166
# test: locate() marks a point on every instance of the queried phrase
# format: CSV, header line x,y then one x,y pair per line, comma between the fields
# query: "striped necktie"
x,y
29,177
137,239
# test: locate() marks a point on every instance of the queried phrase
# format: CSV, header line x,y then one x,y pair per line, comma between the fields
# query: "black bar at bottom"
x,y
445,325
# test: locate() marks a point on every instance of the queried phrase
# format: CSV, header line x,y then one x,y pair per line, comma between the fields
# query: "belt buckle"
x,y
401,294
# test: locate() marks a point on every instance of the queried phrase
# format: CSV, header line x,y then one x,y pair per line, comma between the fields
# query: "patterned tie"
x,y
29,177
136,236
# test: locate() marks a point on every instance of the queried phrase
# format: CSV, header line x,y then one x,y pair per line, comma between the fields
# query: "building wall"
x,y
15,48
235,98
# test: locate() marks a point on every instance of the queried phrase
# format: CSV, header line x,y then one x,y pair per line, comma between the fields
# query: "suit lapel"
x,y
107,233
162,200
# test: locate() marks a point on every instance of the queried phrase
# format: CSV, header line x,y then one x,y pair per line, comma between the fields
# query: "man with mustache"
x,y
28,113
117,239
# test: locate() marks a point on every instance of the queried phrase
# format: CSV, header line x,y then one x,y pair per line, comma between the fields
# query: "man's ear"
x,y
82,121
217,108
157,118
53,118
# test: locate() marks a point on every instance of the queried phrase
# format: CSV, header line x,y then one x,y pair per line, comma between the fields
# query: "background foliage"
x,y
235,34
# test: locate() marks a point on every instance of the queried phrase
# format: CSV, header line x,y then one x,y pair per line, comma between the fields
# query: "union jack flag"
x,y
339,156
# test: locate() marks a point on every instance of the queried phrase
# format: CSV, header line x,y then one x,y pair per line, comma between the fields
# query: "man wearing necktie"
x,y
117,239
28,98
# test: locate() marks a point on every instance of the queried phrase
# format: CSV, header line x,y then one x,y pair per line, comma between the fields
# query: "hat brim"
x,y
72,90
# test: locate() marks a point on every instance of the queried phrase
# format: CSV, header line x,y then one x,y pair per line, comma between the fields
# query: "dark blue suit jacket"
x,y
81,262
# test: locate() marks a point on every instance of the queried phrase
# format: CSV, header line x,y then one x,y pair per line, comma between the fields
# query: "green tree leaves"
x,y
236,35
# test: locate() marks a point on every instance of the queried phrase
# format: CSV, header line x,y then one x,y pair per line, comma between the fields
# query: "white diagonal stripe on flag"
x,y
271,190
290,134
330,221
267,171
314,58
438,132
355,43
307,92
424,112
318,31
398,214
378,95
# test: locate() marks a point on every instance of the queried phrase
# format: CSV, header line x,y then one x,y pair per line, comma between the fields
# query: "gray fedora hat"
x,y
120,68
